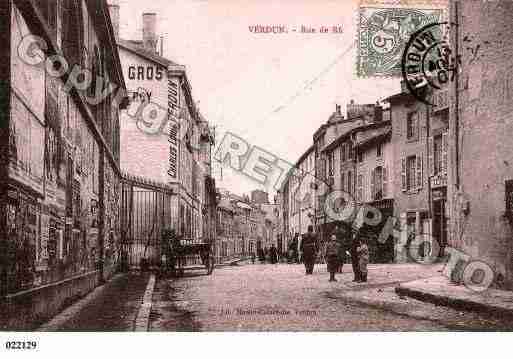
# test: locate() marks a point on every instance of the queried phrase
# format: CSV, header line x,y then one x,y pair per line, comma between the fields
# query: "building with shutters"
x,y
420,147
337,159
360,161
244,226
60,172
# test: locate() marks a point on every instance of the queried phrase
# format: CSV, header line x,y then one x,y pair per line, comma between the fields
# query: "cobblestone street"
x,y
281,298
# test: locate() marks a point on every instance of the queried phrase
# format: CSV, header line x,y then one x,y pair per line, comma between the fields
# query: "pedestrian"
x,y
261,256
273,254
294,248
341,234
363,259
309,248
332,256
353,250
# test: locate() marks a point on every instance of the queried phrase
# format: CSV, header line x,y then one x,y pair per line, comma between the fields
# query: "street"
x,y
265,297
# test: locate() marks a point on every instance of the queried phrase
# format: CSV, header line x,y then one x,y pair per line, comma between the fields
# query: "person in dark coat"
x,y
309,248
332,256
273,254
341,234
293,247
353,250
261,255
363,259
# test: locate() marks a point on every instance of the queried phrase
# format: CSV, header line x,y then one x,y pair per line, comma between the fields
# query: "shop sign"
x,y
439,180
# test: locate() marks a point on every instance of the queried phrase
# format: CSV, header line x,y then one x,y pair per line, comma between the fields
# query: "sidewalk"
x,y
114,306
440,291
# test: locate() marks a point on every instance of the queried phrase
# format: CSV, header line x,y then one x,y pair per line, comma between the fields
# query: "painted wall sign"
x,y
173,113
146,72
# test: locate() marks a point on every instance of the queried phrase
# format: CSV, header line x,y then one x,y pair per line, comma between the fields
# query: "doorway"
x,y
440,224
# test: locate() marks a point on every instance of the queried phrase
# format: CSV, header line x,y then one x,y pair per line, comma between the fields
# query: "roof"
x,y
225,204
304,155
374,135
346,135
137,48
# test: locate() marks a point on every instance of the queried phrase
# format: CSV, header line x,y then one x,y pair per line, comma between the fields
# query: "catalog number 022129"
x,y
20,345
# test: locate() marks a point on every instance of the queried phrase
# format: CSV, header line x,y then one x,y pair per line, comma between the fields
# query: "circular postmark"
x,y
428,60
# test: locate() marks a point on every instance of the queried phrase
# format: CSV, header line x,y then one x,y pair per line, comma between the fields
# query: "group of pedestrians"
x,y
341,242
270,254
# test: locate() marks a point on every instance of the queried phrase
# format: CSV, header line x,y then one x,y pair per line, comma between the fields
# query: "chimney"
x,y
337,109
114,16
149,31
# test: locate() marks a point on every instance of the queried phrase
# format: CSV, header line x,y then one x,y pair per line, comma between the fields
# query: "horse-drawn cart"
x,y
189,255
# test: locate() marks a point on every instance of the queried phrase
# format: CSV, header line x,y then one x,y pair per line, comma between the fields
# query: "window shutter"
x,y
419,171
385,182
372,183
444,152
403,174
431,156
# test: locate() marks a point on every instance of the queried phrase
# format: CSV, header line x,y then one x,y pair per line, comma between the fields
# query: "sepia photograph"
x,y
331,166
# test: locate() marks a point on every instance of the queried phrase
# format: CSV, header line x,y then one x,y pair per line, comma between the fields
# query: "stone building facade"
x,y
244,226
481,127
60,230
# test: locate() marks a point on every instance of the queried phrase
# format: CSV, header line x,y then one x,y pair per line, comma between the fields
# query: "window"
x,y
360,156
411,173
377,182
330,163
349,182
411,167
379,150
412,126
342,181
343,153
437,154
350,151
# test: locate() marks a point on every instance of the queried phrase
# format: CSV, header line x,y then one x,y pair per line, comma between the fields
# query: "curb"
x,y
143,316
58,320
455,303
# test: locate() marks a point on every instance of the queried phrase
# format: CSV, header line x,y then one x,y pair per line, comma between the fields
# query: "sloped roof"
x,y
366,137
347,134
225,203
137,48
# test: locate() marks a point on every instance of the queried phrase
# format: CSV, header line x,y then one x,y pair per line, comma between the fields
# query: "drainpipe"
x,y
457,99
101,216
428,131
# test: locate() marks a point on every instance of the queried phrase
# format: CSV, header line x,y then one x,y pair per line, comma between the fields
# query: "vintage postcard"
x,y
276,166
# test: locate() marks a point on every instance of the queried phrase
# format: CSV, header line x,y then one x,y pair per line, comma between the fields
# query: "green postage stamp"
x,y
382,35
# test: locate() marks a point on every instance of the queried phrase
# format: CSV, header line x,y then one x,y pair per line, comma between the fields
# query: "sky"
x,y
273,90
